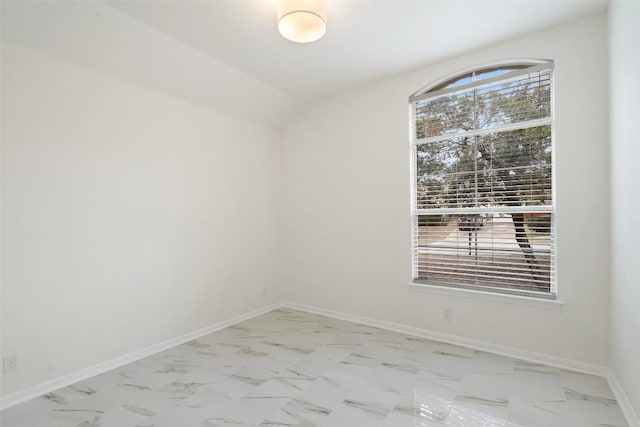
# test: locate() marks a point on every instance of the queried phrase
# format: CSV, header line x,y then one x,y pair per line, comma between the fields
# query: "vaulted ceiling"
x,y
227,55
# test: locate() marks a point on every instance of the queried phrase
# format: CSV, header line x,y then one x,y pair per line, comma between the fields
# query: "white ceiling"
x,y
366,40
96,36
227,56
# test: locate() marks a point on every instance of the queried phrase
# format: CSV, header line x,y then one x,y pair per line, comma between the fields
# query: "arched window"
x,y
482,180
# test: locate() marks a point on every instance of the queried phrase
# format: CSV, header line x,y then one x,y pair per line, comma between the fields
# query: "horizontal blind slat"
x,y
485,250
499,104
483,212
508,168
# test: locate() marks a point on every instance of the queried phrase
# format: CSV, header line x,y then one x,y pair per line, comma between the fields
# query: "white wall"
x,y
97,36
346,163
128,217
624,45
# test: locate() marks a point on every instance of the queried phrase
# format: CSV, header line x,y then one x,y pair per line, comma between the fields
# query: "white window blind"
x,y
483,208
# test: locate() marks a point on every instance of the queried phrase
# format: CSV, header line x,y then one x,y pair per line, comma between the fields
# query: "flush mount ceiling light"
x,y
302,21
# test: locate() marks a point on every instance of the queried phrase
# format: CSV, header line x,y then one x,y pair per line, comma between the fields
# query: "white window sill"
x,y
551,304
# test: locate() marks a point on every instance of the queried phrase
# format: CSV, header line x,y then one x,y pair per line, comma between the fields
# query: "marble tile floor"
x,y
292,368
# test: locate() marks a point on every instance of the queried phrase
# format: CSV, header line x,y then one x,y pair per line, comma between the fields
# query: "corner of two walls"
x,y
347,204
317,213
129,217
624,63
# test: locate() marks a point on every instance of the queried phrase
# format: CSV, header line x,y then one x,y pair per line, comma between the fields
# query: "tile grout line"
x,y
553,361
34,391
529,356
571,365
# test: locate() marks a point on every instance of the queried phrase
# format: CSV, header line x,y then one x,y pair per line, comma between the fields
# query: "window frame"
x,y
439,87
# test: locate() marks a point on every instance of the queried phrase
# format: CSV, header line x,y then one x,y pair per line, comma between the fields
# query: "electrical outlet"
x,y
9,364
265,292
447,314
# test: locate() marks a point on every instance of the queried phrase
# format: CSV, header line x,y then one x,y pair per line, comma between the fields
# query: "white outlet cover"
x,y
9,364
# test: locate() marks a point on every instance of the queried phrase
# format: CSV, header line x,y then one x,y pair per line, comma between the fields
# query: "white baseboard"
x,y
530,356
34,391
569,364
623,400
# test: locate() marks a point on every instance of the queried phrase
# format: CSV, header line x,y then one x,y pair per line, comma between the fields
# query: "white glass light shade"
x,y
302,21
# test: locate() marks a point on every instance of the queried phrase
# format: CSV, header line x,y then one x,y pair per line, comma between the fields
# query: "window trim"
x,y
529,62
528,65
476,294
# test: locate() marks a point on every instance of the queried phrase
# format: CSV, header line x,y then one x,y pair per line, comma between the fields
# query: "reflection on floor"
x,y
291,368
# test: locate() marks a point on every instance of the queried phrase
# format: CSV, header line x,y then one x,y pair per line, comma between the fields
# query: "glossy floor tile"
x,y
291,368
